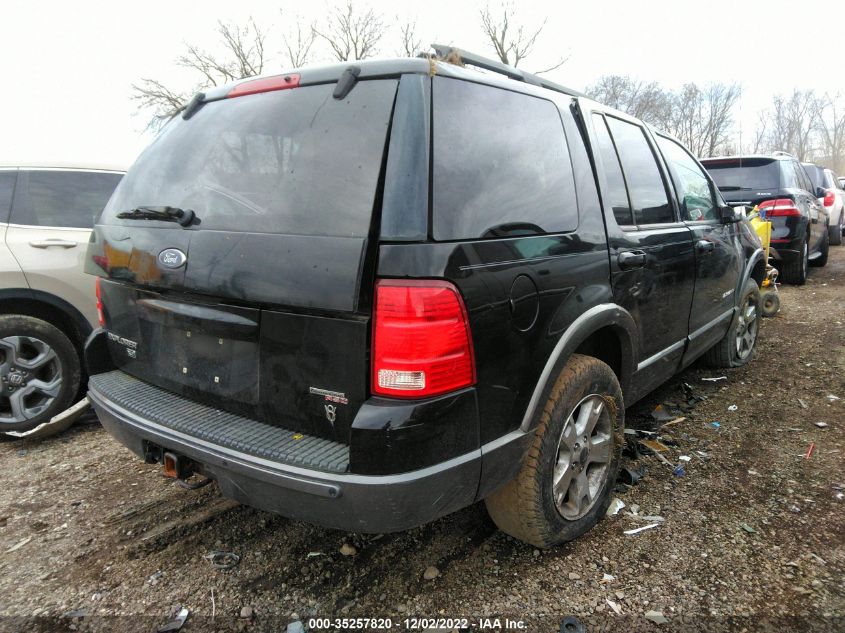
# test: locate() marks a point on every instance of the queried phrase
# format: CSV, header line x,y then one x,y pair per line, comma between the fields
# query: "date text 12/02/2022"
x,y
418,624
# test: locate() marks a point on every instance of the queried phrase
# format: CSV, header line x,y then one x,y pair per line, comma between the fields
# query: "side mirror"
x,y
821,192
729,215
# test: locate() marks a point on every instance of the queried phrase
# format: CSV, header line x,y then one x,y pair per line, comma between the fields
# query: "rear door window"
x,y
501,164
616,194
697,202
56,198
7,188
645,184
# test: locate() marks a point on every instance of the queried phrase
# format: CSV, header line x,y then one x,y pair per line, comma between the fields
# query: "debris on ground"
x,y
431,572
247,613
295,627
656,616
348,550
223,560
616,608
685,458
615,506
715,379
154,578
641,529
19,544
803,404
715,424
661,414
810,450
571,624
748,528
679,471
821,425
733,407
655,446
629,476
177,623
832,398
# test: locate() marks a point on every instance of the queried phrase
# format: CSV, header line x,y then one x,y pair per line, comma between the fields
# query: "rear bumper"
x,y
360,503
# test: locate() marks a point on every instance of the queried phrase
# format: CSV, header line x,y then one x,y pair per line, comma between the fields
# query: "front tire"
x,y
567,476
737,346
40,372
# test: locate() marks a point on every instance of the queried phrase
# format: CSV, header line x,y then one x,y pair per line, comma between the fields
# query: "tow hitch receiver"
x,y
176,466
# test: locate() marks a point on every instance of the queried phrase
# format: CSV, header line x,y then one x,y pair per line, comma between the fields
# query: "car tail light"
x,y
264,84
829,198
421,339
101,317
780,207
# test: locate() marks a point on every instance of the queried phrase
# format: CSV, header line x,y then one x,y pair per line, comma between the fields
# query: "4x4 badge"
x,y
331,412
172,258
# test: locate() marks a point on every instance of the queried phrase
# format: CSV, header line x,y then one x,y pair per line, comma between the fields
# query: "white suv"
x,y
832,196
47,304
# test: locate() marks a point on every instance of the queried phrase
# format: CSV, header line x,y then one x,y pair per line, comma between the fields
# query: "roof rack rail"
x,y
471,59
782,153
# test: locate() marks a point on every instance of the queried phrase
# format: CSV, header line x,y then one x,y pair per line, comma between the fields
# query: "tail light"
x,y
101,317
421,339
779,208
829,198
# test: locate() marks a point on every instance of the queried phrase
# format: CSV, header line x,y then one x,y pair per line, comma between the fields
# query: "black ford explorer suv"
x,y
781,188
369,295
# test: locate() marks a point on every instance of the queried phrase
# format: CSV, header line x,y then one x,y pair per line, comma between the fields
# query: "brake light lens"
x,y
782,207
264,84
101,317
421,339
829,198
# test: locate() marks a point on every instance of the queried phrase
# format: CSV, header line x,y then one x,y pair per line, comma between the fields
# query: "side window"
x,y
694,190
7,188
501,164
61,198
617,194
803,179
645,185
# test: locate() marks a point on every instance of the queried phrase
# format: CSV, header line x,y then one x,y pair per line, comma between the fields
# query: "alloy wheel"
x,y
583,458
30,378
746,329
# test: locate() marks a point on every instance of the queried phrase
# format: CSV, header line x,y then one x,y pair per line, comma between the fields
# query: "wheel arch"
x,y
48,307
755,268
605,331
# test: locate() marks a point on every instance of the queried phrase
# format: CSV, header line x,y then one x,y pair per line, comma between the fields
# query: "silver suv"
x,y
47,304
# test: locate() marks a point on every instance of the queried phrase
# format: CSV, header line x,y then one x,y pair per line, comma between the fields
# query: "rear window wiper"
x,y
166,214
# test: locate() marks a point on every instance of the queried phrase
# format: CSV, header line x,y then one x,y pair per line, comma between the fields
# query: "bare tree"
x,y
791,124
644,100
702,117
411,43
830,128
297,43
513,42
761,133
243,56
351,33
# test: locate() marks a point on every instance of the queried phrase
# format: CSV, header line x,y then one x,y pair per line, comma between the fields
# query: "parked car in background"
x,y
47,302
780,186
405,295
831,196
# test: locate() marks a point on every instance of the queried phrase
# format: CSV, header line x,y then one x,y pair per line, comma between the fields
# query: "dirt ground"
x,y
753,536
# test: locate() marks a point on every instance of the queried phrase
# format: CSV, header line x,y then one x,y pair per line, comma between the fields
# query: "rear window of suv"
x,y
747,175
501,164
296,161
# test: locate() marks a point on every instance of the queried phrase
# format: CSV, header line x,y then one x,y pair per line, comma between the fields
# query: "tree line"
x,y
704,117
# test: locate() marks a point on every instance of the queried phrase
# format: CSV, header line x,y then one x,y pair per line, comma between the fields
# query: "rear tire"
x,y
737,346
795,271
835,232
40,372
824,250
568,473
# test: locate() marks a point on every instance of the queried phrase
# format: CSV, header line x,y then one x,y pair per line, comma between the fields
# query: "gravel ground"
x,y
753,536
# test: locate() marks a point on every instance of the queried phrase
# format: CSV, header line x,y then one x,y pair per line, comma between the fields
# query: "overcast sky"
x,y
68,66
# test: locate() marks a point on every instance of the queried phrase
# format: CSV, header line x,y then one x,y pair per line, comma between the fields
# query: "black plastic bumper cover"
x,y
339,500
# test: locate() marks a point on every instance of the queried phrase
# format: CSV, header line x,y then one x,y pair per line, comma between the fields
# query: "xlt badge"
x,y
172,258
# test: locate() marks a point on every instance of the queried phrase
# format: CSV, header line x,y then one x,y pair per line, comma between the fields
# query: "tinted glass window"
x,y
645,185
501,164
693,187
815,173
7,187
616,195
730,176
803,179
61,198
290,161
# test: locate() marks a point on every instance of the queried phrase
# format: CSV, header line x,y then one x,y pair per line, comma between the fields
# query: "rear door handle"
x,y
48,243
631,259
705,246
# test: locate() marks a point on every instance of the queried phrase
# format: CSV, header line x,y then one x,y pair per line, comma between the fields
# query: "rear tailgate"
x,y
267,315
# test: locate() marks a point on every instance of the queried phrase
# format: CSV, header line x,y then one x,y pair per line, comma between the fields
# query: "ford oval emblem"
x,y
172,258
